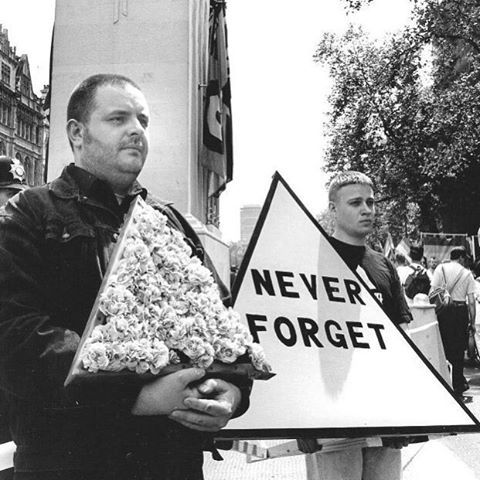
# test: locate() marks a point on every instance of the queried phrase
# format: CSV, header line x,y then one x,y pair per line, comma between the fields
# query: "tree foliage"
x,y
407,112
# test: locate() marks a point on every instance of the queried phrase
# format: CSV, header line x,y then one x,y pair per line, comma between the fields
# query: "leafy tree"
x,y
325,220
351,5
407,113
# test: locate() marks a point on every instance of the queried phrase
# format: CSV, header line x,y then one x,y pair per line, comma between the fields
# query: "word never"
x,y
336,292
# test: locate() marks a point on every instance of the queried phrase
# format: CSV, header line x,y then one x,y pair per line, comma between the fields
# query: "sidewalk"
x,y
235,467
434,459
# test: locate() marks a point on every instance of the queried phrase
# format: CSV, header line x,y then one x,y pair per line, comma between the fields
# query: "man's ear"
x,y
331,207
75,132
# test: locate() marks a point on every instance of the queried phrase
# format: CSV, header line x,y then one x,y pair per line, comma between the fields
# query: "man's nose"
x,y
367,208
135,127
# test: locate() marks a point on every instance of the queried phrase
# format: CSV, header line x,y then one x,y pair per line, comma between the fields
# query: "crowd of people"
x,y
460,277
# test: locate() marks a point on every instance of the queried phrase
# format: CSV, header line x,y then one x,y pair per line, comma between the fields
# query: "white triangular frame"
x,y
352,432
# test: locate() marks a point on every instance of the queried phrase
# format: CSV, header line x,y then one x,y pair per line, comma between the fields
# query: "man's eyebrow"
x,y
352,199
118,111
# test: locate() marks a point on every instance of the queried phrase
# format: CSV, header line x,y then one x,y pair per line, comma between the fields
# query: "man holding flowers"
x,y
55,245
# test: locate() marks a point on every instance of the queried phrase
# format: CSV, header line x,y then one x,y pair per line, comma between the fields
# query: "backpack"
x,y
440,296
417,282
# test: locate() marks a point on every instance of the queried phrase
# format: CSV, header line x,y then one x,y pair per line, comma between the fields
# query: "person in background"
x,y
12,181
455,319
432,264
12,178
403,268
352,206
476,271
476,275
417,281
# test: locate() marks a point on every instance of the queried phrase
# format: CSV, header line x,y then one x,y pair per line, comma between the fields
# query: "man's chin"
x,y
362,232
132,165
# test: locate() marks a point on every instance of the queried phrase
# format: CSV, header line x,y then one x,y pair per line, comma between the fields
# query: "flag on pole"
x,y
217,156
404,248
389,247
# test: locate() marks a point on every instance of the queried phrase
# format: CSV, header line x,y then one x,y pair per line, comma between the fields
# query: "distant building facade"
x,y
248,218
23,128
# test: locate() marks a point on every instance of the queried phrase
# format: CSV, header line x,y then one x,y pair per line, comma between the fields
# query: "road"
x,y
457,456
449,457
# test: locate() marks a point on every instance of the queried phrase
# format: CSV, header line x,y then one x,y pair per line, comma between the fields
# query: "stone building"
x,y
23,129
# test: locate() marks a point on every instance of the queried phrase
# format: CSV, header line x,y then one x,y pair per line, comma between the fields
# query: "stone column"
x,y
162,45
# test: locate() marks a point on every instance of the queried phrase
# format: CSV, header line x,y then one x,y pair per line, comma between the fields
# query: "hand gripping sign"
x,y
343,368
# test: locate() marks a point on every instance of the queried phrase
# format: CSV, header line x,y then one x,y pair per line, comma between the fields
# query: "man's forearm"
x,y
471,309
472,313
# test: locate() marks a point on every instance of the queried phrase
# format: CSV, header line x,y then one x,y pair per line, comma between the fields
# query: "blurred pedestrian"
x,y
12,180
476,276
418,280
455,319
403,269
432,264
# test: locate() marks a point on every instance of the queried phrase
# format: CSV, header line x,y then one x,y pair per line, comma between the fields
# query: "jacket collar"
x,y
74,182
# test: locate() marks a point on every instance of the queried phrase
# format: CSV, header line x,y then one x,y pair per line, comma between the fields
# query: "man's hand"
x,y
396,442
218,402
168,393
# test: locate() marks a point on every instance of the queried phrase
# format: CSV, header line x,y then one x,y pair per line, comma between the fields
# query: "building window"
x,y
6,73
24,86
30,173
3,113
3,149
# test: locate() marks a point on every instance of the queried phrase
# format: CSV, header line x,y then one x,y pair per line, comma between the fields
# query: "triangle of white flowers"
x,y
159,306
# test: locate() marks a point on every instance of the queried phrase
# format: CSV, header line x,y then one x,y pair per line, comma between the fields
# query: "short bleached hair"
x,y
349,177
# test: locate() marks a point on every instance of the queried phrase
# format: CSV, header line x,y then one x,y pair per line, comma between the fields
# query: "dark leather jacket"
x,y
55,243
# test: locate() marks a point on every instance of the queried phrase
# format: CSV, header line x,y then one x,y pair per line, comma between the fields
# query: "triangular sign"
x,y
343,368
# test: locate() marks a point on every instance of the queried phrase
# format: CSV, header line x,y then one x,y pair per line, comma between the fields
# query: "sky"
x,y
279,95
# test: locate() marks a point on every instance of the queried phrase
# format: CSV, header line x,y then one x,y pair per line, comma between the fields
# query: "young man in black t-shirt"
x,y
352,205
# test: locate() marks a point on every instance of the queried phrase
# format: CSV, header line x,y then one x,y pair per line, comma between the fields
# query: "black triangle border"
x,y
350,432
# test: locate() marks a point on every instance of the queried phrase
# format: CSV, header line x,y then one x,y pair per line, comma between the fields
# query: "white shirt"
x,y
453,270
403,272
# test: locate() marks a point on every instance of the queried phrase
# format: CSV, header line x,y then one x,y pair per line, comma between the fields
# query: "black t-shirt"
x,y
380,277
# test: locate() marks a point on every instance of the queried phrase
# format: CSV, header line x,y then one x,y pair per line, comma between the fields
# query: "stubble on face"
x,y
115,140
